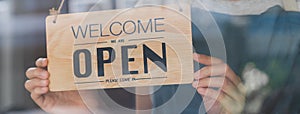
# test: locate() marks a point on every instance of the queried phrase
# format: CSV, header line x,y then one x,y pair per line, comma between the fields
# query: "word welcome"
x,y
118,28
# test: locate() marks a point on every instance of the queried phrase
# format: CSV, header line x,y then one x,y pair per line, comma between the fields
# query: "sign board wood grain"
x,y
142,46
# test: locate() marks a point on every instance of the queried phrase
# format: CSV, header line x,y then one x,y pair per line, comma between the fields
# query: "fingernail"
x,y
43,61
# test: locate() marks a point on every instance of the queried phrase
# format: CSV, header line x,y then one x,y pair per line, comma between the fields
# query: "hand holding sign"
x,y
217,82
57,102
51,102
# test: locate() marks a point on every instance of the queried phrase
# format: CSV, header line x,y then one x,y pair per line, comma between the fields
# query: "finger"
x,y
208,93
206,60
223,83
215,82
232,91
215,70
218,70
37,94
40,90
233,77
225,90
37,73
41,62
30,85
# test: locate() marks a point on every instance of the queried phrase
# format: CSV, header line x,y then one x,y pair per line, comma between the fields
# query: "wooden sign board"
x,y
142,46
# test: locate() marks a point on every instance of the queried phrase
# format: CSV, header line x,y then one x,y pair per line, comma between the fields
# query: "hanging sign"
x,y
142,46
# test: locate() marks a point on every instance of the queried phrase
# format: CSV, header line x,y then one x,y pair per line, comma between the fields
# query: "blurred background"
x,y
22,41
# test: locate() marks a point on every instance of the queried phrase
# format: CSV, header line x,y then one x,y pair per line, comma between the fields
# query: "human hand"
x,y
51,102
220,87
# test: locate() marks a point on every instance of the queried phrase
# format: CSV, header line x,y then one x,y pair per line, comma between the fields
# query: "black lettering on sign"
x,y
101,61
147,54
140,26
111,29
126,29
83,33
88,63
117,28
157,24
151,55
93,30
125,60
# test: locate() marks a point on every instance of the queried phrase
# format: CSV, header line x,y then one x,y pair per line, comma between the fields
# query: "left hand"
x,y
220,87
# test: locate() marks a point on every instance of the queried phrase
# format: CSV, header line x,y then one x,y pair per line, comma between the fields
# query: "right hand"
x,y
51,102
